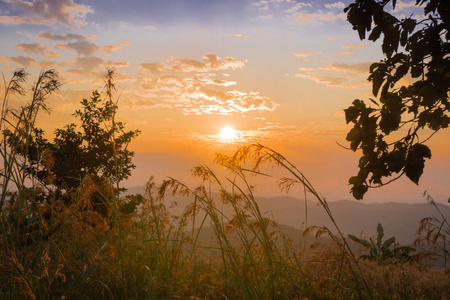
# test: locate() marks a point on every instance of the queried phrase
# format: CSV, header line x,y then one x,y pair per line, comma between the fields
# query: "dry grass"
x,y
65,249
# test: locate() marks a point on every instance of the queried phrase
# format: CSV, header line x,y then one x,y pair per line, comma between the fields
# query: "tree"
x,y
98,149
392,133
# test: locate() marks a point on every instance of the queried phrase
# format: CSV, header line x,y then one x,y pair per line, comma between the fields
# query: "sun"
x,y
227,133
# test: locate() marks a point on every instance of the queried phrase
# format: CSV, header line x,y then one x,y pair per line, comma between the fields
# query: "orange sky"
x,y
280,72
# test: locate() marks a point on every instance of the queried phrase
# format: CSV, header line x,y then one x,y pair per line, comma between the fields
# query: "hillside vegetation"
x,y
73,236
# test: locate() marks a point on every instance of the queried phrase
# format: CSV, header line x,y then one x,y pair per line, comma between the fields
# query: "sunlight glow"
x,y
227,133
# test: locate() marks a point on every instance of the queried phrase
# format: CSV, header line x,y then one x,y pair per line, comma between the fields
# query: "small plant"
x,y
384,252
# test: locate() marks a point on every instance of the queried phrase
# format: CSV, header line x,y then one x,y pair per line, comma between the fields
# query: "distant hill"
x,y
353,217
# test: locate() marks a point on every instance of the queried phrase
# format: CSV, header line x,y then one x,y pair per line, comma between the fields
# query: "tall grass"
x,y
19,205
57,249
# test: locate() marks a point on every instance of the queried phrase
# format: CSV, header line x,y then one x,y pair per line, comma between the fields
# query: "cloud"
x,y
25,61
203,100
33,48
51,54
329,80
359,46
302,18
20,20
217,82
408,4
47,12
137,104
136,99
211,62
86,65
152,68
356,68
242,36
305,54
48,36
335,5
346,53
317,17
3,59
297,7
199,86
112,48
338,74
85,48
47,64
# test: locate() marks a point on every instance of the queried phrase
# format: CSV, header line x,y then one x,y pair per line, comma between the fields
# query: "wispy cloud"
x,y
346,53
47,12
113,48
329,80
48,36
337,74
152,68
317,17
359,46
297,6
84,66
36,48
335,5
25,61
210,62
85,48
361,68
305,54
406,4
199,86
243,36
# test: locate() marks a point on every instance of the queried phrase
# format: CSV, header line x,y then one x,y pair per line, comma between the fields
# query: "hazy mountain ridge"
x,y
353,217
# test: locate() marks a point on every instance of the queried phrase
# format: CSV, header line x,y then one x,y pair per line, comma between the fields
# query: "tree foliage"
x,y
412,85
98,148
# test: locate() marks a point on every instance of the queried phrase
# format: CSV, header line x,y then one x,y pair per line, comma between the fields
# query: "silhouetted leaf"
x,y
389,121
415,161
422,103
377,77
375,33
416,71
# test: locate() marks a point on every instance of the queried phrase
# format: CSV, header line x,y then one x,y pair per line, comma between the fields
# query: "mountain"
x,y
358,218
354,217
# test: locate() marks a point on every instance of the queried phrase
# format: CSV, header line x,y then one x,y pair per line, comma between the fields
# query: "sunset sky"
x,y
279,72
